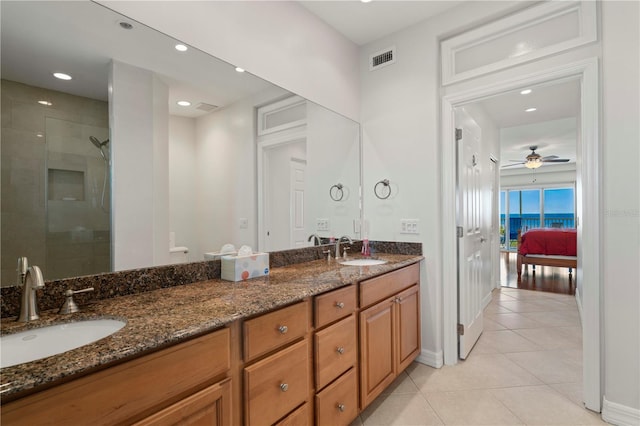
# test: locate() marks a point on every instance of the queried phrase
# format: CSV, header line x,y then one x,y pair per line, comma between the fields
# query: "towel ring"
x,y
378,191
336,193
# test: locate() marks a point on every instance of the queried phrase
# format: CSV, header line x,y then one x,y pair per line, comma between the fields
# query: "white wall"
x,y
400,130
333,156
182,184
525,178
278,41
621,197
138,116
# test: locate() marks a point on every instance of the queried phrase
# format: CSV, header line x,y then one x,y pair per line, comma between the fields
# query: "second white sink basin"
x,y
38,343
363,262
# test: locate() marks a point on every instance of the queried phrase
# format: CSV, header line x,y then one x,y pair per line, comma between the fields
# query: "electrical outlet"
x,y
409,226
243,223
322,225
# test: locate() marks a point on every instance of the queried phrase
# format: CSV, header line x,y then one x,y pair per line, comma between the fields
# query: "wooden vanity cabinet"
x,y
389,329
183,383
277,375
336,357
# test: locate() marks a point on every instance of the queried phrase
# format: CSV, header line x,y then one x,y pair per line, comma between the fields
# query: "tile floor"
x,y
526,369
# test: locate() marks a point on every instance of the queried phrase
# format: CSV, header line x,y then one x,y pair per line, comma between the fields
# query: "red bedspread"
x,y
549,241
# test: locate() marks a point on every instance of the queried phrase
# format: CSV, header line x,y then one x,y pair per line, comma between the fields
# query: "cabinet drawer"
x,y
335,350
273,330
126,392
376,289
297,418
338,403
277,384
210,406
334,305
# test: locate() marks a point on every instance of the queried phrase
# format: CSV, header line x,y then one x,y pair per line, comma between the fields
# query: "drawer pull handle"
x,y
339,305
341,407
340,350
283,329
284,387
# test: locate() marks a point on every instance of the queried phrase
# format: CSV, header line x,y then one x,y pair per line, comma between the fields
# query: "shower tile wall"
x,y
52,183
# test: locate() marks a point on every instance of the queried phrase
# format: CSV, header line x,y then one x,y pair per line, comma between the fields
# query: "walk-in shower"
x,y
103,147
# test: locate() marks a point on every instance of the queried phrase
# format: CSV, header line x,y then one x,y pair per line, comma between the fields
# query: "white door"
x,y
470,238
297,176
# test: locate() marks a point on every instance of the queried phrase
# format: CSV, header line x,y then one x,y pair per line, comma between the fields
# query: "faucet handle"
x,y
69,306
328,253
344,252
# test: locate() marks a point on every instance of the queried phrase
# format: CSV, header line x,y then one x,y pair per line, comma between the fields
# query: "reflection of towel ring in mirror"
x,y
336,193
379,191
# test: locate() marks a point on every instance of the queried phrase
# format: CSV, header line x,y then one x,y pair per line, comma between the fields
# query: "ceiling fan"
x,y
535,160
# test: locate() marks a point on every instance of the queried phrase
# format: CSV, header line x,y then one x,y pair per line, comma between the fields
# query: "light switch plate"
x,y
409,226
322,225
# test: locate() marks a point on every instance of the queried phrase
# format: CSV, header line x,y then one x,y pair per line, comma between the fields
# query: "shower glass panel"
x,y
78,219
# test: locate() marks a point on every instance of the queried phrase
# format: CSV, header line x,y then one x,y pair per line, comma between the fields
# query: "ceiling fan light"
x,y
533,164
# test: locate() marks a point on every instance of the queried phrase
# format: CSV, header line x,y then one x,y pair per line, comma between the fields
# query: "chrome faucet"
x,y
316,239
344,237
32,281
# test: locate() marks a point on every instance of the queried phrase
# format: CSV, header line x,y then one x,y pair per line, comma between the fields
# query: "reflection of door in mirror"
x,y
284,166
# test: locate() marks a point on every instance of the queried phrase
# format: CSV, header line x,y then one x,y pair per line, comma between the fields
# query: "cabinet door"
x,y
209,407
376,350
407,327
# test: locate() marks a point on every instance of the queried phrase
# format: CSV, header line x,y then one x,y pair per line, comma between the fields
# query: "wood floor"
x,y
545,278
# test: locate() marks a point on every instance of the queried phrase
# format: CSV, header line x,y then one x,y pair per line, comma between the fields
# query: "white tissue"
x,y
245,251
228,248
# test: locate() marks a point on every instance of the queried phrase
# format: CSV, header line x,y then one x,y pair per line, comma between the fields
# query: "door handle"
x,y
483,240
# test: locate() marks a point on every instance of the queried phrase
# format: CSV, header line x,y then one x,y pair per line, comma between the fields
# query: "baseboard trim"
x,y
486,300
579,302
432,359
619,414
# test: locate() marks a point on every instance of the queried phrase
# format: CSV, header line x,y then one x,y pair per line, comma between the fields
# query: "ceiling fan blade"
x,y
557,160
511,165
549,157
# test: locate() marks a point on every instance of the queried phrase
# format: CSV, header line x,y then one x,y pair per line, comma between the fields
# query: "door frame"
x,y
266,143
589,171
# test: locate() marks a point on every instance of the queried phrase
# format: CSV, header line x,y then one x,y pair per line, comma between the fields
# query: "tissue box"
x,y
216,255
240,268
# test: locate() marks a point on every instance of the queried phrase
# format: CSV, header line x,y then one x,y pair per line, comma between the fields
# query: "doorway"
x,y
588,218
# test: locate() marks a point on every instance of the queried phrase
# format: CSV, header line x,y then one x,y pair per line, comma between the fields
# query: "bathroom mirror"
x,y
247,163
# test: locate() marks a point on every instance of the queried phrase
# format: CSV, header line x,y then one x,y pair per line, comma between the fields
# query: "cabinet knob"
x,y
341,407
284,387
339,305
340,350
283,329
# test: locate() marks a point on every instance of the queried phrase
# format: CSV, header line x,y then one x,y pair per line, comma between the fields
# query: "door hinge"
x,y
460,330
459,231
458,134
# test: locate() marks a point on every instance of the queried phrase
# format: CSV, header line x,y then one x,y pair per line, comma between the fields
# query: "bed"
x,y
547,247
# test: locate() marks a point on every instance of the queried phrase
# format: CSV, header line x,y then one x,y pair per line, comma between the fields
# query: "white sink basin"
x,y
363,262
38,343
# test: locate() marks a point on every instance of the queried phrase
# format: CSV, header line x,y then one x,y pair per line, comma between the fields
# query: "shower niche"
x,y
65,185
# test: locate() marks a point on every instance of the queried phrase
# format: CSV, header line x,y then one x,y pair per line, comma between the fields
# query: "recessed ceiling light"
x,y
45,103
126,25
526,91
40,135
531,109
239,69
184,103
181,48
62,76
365,1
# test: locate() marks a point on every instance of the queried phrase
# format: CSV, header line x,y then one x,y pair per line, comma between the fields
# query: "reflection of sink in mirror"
x,y
37,343
363,262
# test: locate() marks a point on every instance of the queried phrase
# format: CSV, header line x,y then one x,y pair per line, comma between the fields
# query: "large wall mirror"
x,y
84,184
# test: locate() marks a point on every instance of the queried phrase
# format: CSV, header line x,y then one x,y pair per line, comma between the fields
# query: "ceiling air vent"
x,y
382,58
206,107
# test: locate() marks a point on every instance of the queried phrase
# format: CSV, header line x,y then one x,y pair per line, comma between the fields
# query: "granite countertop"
x,y
166,316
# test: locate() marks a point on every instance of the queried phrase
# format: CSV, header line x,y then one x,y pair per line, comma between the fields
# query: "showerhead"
x,y
97,143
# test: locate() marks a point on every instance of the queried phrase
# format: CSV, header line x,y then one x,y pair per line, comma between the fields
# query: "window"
x,y
534,208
